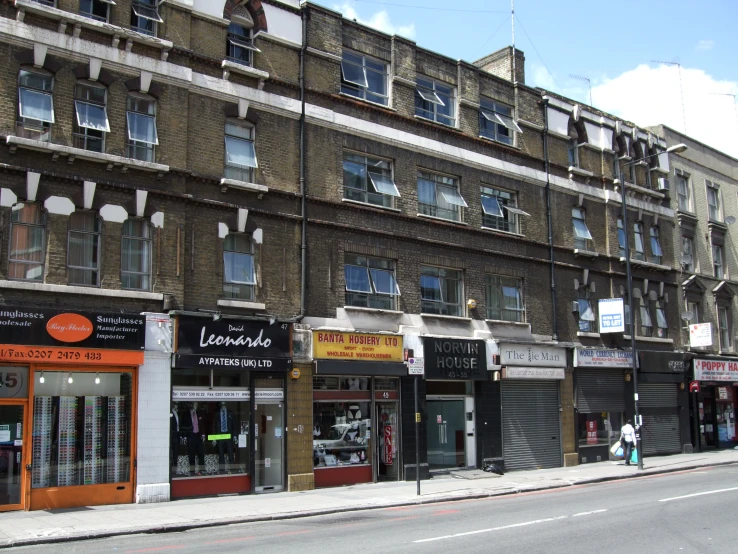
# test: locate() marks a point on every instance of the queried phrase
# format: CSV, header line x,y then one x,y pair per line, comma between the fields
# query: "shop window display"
x,y
342,433
209,423
81,428
599,428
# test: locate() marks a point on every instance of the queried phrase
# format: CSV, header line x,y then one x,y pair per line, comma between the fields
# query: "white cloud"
x,y
380,21
705,45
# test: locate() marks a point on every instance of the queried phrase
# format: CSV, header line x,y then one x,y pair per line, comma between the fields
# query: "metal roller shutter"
x,y
531,430
600,390
660,432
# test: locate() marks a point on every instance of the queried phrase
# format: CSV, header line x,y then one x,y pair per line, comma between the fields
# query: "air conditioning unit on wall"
x,y
663,184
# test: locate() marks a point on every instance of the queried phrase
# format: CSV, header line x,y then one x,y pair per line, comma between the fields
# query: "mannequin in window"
x,y
222,424
173,434
195,439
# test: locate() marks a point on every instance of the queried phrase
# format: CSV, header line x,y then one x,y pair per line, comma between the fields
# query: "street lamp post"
x,y
629,278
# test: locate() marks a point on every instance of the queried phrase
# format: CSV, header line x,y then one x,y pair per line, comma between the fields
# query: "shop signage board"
x,y
70,328
602,357
650,361
455,359
415,366
333,345
715,370
233,344
532,355
611,315
70,356
233,395
544,373
700,334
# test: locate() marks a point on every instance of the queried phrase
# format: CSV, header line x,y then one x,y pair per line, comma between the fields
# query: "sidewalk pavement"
x,y
49,526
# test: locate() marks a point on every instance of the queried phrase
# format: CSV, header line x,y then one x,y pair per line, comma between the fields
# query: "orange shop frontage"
x,y
68,407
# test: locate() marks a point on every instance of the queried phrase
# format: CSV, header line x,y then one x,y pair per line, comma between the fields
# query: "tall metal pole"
x,y
629,279
417,437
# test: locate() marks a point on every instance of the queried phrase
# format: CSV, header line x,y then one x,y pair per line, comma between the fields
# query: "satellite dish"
x,y
686,259
730,220
687,316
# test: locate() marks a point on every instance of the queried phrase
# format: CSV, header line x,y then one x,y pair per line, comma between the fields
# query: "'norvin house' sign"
x,y
455,359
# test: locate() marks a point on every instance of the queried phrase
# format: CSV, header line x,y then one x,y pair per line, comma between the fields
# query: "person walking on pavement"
x,y
628,440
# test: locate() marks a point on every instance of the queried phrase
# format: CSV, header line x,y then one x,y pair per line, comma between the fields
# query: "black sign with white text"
x,y
455,359
233,344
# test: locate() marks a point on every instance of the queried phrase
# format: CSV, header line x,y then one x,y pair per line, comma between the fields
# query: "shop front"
x,y
662,402
356,407
600,377
531,422
452,368
716,402
227,427
68,407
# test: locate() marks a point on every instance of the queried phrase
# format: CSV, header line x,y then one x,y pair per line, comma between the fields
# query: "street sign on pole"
x,y
415,366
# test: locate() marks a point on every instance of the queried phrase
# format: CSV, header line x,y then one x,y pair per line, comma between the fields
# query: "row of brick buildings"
x,y
298,204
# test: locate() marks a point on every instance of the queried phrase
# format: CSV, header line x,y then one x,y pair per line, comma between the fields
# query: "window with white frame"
x,y
441,291
435,101
35,104
83,249
684,192
368,180
662,329
496,121
239,44
656,254
239,272
504,298
586,315
724,328
439,196
572,149
621,238
240,154
500,210
370,282
688,261
582,236
135,263
98,10
142,135
91,117
713,201
646,322
27,242
718,262
145,16
639,252
695,309
364,77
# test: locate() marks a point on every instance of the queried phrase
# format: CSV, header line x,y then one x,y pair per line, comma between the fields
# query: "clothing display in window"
x,y
223,428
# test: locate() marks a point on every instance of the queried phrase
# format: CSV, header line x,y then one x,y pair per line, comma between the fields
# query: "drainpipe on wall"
x,y
303,188
555,334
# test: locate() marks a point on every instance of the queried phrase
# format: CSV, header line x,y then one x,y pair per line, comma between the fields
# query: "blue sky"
x,y
613,44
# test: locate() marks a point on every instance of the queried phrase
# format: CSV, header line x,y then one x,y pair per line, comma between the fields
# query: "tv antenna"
x,y
586,80
681,90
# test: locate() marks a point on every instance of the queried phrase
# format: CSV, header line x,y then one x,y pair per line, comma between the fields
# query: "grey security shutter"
x,y
658,395
659,403
600,390
531,429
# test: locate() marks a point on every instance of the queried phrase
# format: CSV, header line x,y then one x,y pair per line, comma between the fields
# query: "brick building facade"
x,y
210,148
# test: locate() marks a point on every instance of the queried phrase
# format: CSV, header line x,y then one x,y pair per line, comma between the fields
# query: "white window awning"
x,y
36,105
384,282
354,74
581,230
146,12
491,206
92,116
502,120
111,2
514,210
242,43
452,196
383,184
430,96
142,128
240,153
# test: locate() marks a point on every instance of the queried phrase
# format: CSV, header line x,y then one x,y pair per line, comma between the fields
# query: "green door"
x,y
446,434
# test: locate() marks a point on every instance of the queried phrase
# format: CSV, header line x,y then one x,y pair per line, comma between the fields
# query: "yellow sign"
x,y
357,346
296,373
417,417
